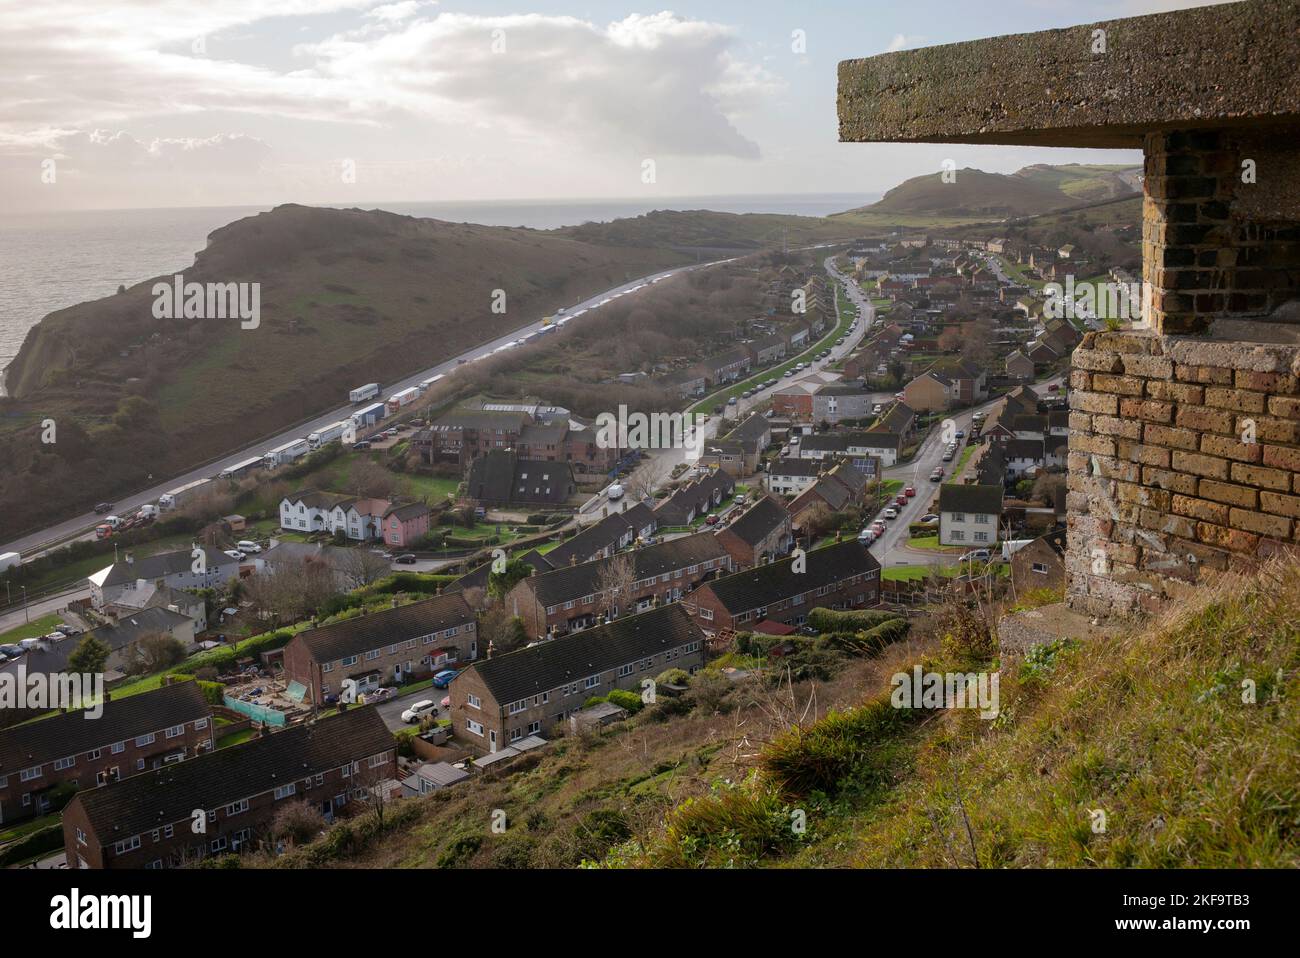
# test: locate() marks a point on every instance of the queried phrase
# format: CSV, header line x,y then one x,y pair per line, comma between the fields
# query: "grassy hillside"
x,y
974,194
1147,728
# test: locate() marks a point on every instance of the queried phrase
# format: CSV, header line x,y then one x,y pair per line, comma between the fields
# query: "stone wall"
x,y
1184,457
1213,245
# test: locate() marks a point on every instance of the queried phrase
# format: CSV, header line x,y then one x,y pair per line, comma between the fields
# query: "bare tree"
x,y
647,477
370,479
360,567
292,589
614,583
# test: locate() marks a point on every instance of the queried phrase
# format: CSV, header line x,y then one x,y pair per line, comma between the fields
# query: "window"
x,y
237,808
380,759
327,667
534,728
373,654
127,845
959,517
981,537
981,518
516,734
143,740
218,844
284,791
61,763
474,728
176,731
706,615
200,724
591,682
624,670
92,756
516,707
1039,567
28,774
167,831
958,536
350,660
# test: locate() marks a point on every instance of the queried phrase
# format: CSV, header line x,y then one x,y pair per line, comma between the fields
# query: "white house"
x,y
968,515
176,570
790,477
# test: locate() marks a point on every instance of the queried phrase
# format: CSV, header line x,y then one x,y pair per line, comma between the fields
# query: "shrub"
x,y
625,699
297,822
968,642
42,840
735,825
673,677
214,693
847,620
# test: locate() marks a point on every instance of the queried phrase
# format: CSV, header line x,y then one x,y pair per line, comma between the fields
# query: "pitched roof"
x,y
758,521
970,498
765,584
796,467
134,626
59,736
573,582
462,418
412,510
374,629
602,535
499,475
157,566
171,793
478,578
547,665
754,427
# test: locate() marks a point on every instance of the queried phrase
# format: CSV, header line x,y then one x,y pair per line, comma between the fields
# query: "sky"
x,y
112,104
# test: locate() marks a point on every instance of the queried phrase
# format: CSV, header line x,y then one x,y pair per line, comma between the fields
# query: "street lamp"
x,y
26,615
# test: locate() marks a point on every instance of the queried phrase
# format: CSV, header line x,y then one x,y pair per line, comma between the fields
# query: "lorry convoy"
x,y
404,398
362,393
290,451
331,433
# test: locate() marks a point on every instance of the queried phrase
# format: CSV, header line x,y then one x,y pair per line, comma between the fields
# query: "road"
x,y
660,462
32,543
892,548
16,617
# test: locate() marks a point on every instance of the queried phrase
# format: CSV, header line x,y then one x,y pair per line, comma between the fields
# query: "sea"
x,y
49,261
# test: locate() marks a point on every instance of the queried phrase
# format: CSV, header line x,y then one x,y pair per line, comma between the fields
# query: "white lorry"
x,y
290,451
331,433
181,494
362,393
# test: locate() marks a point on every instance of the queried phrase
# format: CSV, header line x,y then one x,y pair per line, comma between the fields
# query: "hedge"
x,y
868,641
422,582
847,620
47,839
223,658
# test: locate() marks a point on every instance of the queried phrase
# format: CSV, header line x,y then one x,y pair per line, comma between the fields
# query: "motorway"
x,y
31,544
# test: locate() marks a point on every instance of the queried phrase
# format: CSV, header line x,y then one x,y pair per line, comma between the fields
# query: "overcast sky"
x,y
147,103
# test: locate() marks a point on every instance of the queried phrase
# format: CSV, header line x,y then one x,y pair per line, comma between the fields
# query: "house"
x,y
572,598
795,401
610,535
930,392
789,477
146,821
463,434
728,366
1023,457
969,380
176,570
897,417
479,578
968,514
836,402
762,533
695,499
123,636
129,736
880,443
1040,564
502,478
687,383
152,595
389,647
503,699
404,525
1019,366
731,456
312,511
754,434
769,349
840,576
344,566
842,486
430,777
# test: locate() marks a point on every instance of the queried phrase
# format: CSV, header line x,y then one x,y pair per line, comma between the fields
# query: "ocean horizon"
x,y
58,259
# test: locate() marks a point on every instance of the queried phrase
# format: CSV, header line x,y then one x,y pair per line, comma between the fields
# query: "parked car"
x,y
867,536
443,678
731,401
789,373
928,517
67,629
11,651
405,559
977,555
103,507
947,456
711,521
961,434
363,444
419,710
381,695
1053,388
235,554
248,547
900,500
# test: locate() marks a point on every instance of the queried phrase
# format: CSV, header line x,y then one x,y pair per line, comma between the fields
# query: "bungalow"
x,y
147,821
840,576
503,699
761,534
389,647
129,736
968,514
572,598
123,635
897,417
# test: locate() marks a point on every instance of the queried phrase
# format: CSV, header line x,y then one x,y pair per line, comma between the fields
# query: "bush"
x,y
673,677
214,693
39,842
297,822
625,699
223,658
847,620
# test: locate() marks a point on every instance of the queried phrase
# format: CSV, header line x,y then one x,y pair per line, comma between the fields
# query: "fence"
x,y
259,713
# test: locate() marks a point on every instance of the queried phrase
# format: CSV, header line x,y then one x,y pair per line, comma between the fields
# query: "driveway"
x,y
391,711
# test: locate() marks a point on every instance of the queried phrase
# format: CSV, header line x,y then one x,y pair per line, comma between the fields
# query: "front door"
x,y
492,740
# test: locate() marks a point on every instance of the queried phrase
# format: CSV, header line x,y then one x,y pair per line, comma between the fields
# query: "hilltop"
x,y
976,195
1159,744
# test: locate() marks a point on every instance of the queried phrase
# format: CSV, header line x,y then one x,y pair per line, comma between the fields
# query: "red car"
x,y
909,492
900,501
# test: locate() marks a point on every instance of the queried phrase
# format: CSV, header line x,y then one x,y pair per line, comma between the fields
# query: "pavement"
x,y
16,617
391,710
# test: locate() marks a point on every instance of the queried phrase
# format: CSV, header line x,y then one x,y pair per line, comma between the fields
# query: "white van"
x,y
248,546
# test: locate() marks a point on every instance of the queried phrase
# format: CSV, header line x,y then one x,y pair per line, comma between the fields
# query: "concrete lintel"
x,y
1219,66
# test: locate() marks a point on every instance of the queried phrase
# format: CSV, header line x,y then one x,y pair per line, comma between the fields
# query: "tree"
x,y
360,567
614,583
500,630
500,583
297,822
816,521
153,653
89,656
647,478
371,480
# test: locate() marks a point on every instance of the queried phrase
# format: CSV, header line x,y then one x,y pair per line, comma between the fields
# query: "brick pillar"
x,y
1213,245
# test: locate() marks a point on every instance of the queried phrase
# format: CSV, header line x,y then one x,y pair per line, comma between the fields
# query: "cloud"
x,y
403,10
901,42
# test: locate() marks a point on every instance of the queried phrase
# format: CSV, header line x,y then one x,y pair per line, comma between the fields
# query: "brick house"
x,y
463,435
761,534
1039,564
695,499
404,525
133,734
500,700
382,648
610,535
930,392
840,576
147,821
570,599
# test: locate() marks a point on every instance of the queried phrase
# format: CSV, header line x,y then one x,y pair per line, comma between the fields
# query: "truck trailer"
x,y
289,452
404,398
241,469
331,433
362,393
177,497
370,415
431,381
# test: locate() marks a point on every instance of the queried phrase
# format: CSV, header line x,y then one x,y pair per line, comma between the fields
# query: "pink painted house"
x,y
404,525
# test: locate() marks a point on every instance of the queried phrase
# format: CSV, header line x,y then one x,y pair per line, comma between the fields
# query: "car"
x,y
103,507
235,554
711,521
67,630
741,499
947,456
419,710
1053,388
363,444
801,366
405,559
977,555
381,695
867,536
731,401
387,555
937,475
717,410
900,500
961,434
11,651
248,547
910,491
789,373
890,513
443,678
928,517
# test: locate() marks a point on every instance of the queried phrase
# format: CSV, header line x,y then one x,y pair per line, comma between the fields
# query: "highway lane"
x,y
31,544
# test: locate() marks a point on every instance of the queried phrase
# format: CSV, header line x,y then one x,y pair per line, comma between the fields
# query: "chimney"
x,y
129,559
491,647
394,602
573,559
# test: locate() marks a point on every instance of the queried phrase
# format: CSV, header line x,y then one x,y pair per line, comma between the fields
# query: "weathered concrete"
x,y
1219,66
